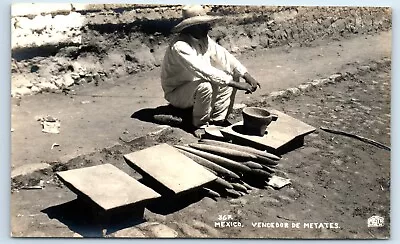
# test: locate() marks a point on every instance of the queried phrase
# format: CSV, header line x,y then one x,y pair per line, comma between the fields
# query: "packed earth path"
x,y
93,117
336,180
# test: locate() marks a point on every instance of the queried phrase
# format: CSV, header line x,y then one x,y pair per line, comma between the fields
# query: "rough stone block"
x,y
335,77
278,134
107,186
364,68
318,82
277,94
293,90
304,87
169,167
35,89
68,81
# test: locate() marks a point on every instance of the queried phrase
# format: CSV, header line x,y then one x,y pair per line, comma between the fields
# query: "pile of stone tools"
x,y
234,165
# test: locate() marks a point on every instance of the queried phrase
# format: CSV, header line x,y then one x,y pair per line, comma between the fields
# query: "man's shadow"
x,y
166,115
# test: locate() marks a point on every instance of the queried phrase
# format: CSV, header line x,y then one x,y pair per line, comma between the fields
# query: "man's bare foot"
x,y
199,132
167,119
223,123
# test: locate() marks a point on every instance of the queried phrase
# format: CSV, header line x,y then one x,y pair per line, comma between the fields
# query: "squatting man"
x,y
197,72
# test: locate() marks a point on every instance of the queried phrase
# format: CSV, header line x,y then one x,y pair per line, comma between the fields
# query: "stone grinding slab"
x,y
278,133
107,186
171,168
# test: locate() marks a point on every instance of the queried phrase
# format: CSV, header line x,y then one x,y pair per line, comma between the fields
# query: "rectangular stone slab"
x,y
278,133
107,186
171,168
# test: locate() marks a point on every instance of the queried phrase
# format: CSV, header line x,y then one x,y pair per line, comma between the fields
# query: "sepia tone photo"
x,y
200,121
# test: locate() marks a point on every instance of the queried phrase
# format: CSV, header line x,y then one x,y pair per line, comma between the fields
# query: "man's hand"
x,y
242,86
250,80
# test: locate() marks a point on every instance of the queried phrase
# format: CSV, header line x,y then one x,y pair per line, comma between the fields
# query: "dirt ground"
x,y
335,179
124,42
83,107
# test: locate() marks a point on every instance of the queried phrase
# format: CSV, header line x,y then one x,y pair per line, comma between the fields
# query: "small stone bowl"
x,y
256,120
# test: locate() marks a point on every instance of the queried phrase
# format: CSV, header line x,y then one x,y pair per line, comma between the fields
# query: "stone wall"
x,y
35,24
56,46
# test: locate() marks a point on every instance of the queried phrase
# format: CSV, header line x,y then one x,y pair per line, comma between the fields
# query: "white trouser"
x,y
209,101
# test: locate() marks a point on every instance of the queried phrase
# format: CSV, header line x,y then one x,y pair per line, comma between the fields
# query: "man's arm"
x,y
187,56
242,86
228,62
189,59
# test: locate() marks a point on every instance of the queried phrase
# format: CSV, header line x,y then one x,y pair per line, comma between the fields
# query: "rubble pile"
x,y
97,42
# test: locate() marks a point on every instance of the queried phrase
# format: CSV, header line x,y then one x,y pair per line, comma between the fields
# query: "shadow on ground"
x,y
169,204
80,218
166,115
84,217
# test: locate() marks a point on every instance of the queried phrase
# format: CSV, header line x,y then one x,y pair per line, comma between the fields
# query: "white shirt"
x,y
188,59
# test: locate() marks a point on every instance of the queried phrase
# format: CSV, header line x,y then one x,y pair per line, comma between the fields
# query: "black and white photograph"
x,y
200,121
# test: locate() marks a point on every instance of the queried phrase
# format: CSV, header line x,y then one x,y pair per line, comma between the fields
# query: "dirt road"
x,y
337,182
94,117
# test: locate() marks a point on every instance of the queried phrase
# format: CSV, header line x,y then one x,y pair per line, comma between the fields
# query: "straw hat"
x,y
194,15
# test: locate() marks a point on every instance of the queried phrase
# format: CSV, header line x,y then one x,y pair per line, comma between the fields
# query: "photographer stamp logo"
x,y
376,221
